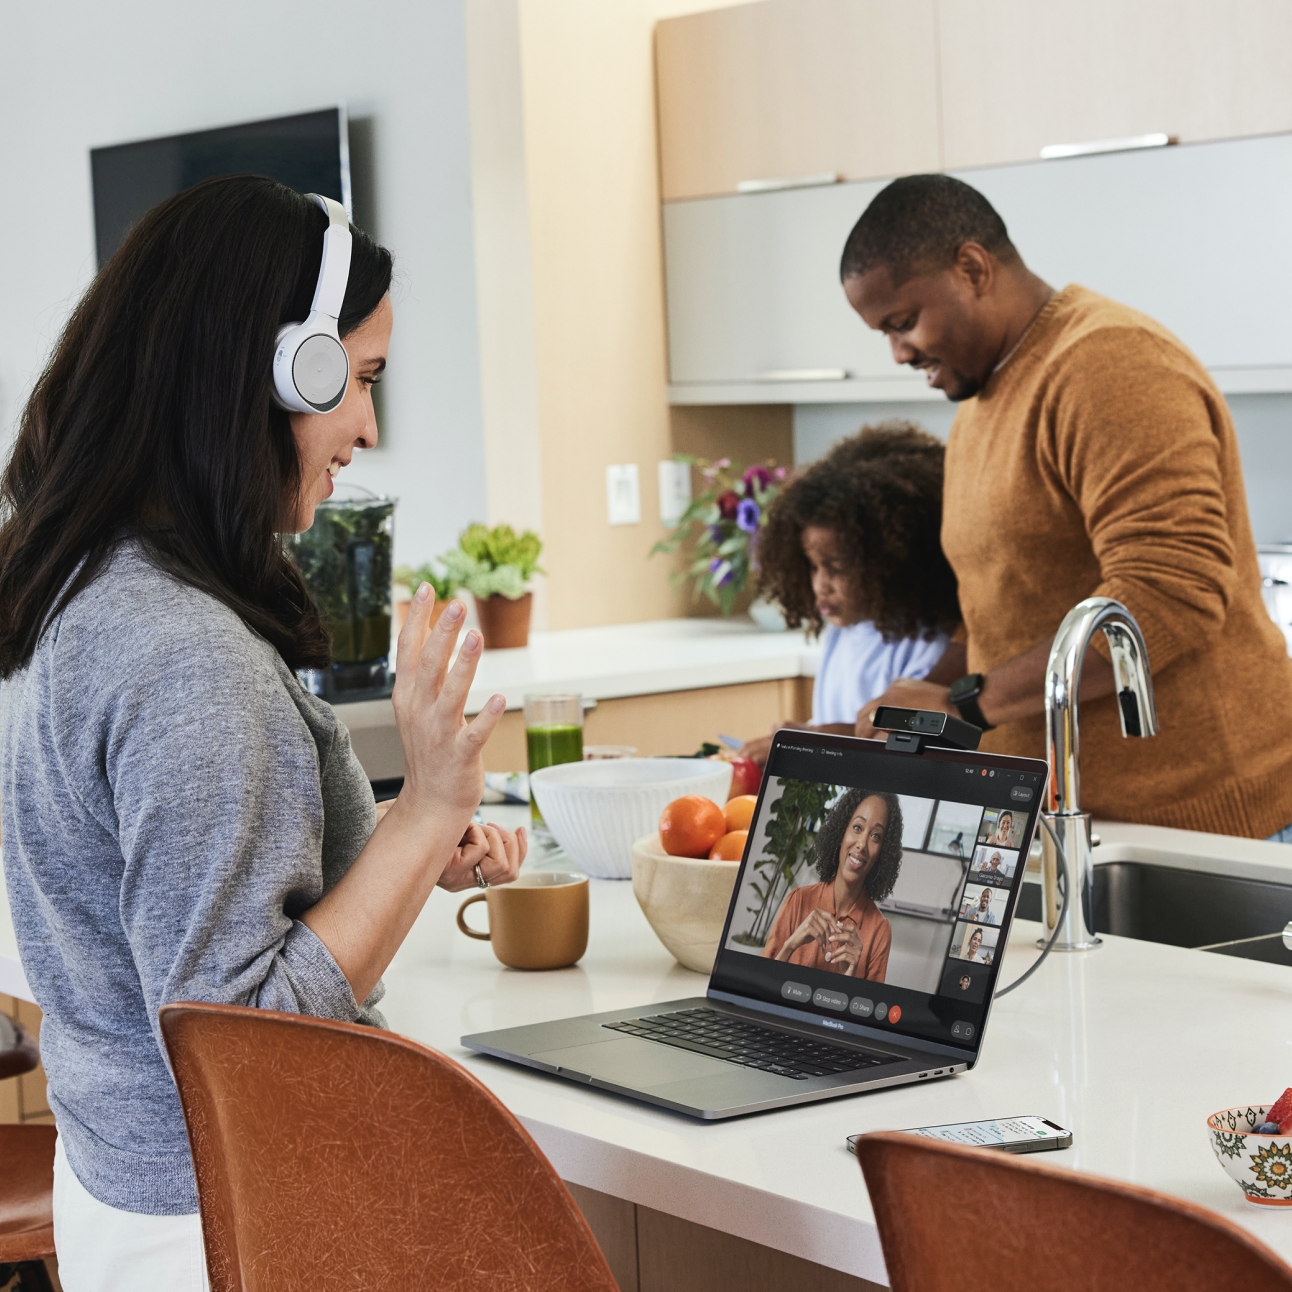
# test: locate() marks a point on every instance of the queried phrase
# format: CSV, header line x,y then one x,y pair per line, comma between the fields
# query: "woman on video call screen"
x,y
835,925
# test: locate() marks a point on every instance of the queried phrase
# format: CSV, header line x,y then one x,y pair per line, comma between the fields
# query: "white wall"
x,y
78,74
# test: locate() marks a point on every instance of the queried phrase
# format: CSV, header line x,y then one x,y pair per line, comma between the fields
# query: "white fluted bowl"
x,y
597,810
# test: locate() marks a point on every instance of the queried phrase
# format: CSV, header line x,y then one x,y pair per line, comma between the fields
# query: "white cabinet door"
x,y
754,301
1194,236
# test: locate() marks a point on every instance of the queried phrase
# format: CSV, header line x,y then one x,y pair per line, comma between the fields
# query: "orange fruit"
x,y
731,847
740,811
690,826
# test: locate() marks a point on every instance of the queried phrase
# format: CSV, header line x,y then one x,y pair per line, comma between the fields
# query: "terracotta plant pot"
x,y
401,614
504,623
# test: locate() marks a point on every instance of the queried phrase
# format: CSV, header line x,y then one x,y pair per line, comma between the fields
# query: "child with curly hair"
x,y
835,924
852,546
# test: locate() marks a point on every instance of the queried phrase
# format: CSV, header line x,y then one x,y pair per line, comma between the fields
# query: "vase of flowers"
x,y
722,525
495,566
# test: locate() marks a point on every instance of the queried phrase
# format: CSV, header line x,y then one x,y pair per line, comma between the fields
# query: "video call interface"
x,y
861,900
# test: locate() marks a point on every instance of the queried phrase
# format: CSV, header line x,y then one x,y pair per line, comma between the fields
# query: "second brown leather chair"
x,y
26,1177
330,1155
957,1219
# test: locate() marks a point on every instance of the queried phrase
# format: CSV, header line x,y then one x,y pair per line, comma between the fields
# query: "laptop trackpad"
x,y
627,1061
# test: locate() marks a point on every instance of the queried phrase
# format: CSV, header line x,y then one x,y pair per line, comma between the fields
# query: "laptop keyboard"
x,y
706,1031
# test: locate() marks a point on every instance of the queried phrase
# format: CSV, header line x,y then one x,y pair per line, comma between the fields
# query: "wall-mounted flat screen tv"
x,y
309,152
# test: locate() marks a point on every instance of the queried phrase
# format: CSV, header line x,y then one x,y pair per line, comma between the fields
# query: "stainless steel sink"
x,y
1185,908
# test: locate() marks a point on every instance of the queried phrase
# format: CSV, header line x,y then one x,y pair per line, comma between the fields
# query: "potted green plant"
x,y
794,820
721,526
409,578
495,566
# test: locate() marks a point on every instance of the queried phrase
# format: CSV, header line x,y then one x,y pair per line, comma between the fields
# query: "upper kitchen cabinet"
x,y
787,89
1017,74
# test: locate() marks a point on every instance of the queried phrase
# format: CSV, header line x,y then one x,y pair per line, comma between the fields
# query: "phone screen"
x,y
995,1134
1009,1133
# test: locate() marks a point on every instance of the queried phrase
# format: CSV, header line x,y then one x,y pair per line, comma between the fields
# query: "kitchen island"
x,y
663,686
1131,1046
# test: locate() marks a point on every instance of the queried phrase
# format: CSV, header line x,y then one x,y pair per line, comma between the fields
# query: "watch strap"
x,y
964,695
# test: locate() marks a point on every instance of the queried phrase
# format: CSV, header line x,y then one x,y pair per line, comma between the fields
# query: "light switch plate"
x,y
623,495
674,490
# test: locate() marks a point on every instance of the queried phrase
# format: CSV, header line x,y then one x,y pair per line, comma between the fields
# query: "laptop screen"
x,y
877,887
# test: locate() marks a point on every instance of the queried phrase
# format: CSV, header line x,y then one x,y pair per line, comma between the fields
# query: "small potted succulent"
x,y
409,578
722,525
495,566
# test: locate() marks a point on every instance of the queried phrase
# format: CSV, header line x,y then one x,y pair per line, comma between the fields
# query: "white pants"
x,y
104,1249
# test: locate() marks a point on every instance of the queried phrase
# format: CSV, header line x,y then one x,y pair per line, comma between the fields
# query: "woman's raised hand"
x,y
443,769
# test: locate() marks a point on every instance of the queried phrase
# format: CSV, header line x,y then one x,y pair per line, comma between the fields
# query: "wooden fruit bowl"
x,y
684,900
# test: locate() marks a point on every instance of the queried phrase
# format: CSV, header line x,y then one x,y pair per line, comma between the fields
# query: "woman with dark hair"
x,y
1004,831
181,820
851,547
835,924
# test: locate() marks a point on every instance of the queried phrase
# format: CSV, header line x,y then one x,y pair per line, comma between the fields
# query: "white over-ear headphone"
x,y
311,367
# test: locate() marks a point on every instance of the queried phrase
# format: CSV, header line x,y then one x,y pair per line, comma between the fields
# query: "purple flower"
x,y
716,534
721,570
748,515
759,475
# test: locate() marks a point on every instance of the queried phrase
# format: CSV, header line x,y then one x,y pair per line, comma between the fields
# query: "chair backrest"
x,y
330,1155
19,1051
952,1218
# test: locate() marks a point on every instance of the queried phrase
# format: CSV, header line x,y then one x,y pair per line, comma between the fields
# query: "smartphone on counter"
x,y
1010,1134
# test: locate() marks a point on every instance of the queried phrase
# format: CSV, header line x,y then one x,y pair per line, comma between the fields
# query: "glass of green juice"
x,y
553,734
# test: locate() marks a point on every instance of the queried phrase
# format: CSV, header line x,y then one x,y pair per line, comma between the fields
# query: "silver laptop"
x,y
827,984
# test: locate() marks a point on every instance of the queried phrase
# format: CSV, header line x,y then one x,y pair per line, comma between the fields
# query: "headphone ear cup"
x,y
311,367
284,391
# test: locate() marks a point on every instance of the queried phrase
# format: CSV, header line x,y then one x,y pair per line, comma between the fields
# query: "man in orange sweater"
x,y
1092,455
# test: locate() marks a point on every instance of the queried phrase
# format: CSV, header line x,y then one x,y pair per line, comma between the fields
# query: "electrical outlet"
x,y
623,495
674,490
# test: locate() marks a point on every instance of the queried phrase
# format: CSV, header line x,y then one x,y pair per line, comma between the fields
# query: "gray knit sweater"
x,y
171,802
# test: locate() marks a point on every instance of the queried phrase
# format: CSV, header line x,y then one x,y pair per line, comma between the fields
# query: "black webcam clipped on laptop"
x,y
911,731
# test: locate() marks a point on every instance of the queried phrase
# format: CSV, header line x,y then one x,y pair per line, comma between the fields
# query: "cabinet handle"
x,y
1051,151
803,374
797,181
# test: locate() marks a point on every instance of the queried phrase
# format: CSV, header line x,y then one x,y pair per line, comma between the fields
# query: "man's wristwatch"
x,y
964,695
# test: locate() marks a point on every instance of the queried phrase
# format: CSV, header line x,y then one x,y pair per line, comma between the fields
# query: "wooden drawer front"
x,y
789,88
1017,74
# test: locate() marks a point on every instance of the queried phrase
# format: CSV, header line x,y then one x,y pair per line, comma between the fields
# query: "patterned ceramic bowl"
x,y
1261,1165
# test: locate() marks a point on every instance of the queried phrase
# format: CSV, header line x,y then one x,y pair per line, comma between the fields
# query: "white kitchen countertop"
x,y
1132,1046
607,663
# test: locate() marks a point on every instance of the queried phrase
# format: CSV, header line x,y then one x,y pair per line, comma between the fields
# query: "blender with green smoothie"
x,y
553,734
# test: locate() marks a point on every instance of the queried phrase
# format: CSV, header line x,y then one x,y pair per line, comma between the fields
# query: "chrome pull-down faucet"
x,y
1063,749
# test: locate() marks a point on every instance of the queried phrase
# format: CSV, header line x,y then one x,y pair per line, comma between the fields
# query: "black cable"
x,y
1058,924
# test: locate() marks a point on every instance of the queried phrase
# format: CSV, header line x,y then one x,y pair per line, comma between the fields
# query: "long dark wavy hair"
x,y
880,491
153,419
829,839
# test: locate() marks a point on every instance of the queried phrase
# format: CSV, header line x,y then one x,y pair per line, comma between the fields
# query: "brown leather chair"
x,y
330,1155
955,1219
26,1177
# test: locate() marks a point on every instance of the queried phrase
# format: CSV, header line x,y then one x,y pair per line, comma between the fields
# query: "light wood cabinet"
x,y
671,722
790,88
1016,75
